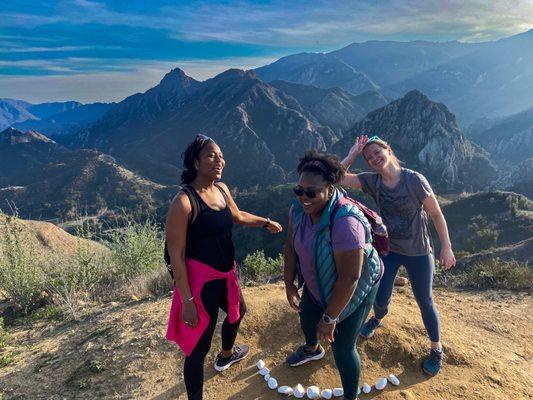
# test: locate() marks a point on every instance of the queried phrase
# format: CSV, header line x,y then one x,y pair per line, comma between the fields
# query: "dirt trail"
x,y
118,352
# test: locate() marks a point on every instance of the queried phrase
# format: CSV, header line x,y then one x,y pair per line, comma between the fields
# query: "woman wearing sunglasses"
x,y
403,197
328,249
202,256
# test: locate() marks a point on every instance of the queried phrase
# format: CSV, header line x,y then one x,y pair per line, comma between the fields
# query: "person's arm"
x,y
431,205
348,264
246,219
289,271
355,150
176,235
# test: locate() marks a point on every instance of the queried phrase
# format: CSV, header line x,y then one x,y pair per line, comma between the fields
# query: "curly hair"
x,y
326,164
191,154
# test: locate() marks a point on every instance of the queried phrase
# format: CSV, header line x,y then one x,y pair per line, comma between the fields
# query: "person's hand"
x,y
447,258
357,147
274,227
293,297
189,314
324,332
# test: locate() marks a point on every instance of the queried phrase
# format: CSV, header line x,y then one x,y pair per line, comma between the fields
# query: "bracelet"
x,y
188,300
267,223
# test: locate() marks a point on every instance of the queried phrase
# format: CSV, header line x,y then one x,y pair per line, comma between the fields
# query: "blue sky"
x,y
92,50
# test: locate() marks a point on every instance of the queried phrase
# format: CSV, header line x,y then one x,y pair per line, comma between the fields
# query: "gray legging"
x,y
346,333
420,270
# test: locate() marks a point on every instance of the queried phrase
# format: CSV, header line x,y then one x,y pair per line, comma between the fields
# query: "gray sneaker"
x,y
304,354
370,326
240,351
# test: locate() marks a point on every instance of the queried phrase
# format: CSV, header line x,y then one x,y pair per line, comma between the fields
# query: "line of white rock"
x,y
313,392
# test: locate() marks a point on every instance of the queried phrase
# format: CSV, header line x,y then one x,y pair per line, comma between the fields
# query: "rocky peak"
x,y
14,136
176,81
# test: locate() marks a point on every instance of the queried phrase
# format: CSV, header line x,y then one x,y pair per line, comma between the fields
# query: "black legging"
x,y
214,296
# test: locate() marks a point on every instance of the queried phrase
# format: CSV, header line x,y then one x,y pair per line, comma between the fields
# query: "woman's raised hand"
x,y
357,147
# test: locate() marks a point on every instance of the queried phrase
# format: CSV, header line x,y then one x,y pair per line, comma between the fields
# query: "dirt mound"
x,y
119,352
52,240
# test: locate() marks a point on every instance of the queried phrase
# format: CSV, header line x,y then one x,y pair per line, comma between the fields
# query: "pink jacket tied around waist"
x,y
187,337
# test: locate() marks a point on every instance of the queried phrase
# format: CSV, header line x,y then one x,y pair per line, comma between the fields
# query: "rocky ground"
x,y
118,351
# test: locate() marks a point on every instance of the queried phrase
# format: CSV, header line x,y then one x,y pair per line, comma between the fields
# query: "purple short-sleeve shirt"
x,y
347,234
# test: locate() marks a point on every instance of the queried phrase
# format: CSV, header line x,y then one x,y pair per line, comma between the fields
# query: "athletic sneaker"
x,y
369,328
240,351
433,363
304,354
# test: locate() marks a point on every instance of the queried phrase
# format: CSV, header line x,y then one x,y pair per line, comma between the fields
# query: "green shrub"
x,y
497,274
4,336
20,272
482,234
258,268
137,248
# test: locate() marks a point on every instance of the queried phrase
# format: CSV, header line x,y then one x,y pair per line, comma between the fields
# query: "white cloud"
x,y
111,86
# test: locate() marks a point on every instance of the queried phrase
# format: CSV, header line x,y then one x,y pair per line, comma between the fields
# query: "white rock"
x,y
299,391
267,377
272,383
393,379
366,388
338,392
313,392
285,390
381,383
260,364
327,393
264,371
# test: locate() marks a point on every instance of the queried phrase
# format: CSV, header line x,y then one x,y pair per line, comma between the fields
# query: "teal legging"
x,y
346,333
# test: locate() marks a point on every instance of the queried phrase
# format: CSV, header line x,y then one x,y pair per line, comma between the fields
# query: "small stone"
x,y
393,379
260,364
338,392
381,383
327,393
272,383
287,390
401,281
264,371
313,392
299,391
366,388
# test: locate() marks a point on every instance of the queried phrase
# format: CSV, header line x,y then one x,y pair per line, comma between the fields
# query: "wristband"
x,y
328,320
188,300
267,223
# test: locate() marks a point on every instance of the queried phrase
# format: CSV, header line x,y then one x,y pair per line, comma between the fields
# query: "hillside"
x,y
119,352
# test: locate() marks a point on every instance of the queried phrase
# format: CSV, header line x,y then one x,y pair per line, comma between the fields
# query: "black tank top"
x,y
209,236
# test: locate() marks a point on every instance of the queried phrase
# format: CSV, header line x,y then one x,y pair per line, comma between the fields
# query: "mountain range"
x,y
474,80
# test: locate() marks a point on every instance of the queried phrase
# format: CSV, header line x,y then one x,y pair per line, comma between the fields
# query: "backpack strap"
x,y
195,204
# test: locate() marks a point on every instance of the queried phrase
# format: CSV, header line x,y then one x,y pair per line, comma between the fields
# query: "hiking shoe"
x,y
370,326
433,363
304,354
240,351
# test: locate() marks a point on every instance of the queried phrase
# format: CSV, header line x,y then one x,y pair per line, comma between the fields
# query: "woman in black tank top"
x,y
199,224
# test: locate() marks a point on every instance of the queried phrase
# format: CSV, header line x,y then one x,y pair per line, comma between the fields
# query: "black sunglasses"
x,y
311,194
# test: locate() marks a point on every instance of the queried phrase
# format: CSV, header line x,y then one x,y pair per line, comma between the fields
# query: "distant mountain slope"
x,y
333,107
84,181
494,80
425,135
517,178
260,129
12,111
317,69
510,214
68,121
508,139
388,62
45,110
24,154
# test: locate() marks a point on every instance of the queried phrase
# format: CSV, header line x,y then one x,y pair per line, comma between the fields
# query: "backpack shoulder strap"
x,y
195,205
